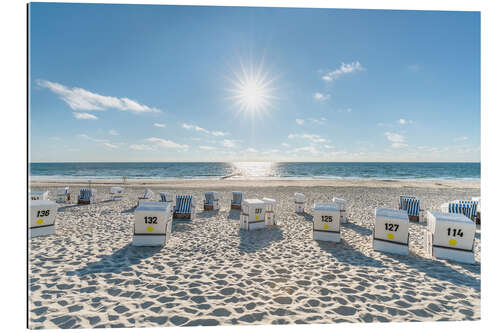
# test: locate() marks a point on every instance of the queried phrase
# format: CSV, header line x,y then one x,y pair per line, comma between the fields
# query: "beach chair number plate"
x,y
42,213
150,220
455,232
258,210
327,219
391,227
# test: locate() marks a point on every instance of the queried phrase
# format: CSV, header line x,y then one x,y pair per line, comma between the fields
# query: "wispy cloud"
x,y
321,97
84,115
398,140
461,138
159,125
312,137
344,69
113,132
251,150
203,130
319,121
405,121
229,143
141,147
81,99
207,148
168,143
347,110
299,121
110,145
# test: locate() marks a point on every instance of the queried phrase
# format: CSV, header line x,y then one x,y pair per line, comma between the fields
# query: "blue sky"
x,y
183,83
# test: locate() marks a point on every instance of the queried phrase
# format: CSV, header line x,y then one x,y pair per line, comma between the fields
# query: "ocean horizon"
x,y
250,170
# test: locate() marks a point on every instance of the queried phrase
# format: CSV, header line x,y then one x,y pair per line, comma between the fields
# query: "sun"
x,y
252,90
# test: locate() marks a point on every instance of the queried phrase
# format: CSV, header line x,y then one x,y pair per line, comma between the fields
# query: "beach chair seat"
x,y
63,195
116,193
449,236
87,196
300,202
391,231
38,195
411,205
184,207
42,218
237,200
252,215
211,201
270,212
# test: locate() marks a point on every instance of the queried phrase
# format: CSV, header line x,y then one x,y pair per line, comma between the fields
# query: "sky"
x,y
147,83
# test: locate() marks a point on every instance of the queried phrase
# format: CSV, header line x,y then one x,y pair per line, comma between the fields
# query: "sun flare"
x,y
252,91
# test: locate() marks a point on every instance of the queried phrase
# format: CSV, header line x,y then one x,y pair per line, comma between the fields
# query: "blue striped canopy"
x,y
85,194
467,208
410,204
183,203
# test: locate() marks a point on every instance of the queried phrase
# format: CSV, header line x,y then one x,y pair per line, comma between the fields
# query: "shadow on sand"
x,y
364,231
307,216
345,253
440,271
255,240
62,209
207,213
234,214
119,261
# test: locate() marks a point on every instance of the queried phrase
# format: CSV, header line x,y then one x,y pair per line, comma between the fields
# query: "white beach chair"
x,y
237,200
38,195
42,218
270,211
300,202
63,195
343,208
116,193
211,201
87,196
391,231
411,205
253,215
326,222
146,196
153,224
184,207
450,236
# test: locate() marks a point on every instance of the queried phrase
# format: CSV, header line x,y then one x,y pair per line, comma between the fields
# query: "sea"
x,y
254,170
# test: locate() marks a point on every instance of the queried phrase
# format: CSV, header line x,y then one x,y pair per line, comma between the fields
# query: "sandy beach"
x,y
211,273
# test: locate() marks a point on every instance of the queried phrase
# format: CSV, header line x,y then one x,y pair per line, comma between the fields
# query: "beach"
x,y
212,273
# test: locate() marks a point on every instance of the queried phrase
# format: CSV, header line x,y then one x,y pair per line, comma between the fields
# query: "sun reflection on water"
x,y
254,169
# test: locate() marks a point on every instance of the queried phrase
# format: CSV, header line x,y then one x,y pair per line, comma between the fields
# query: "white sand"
x,y
211,273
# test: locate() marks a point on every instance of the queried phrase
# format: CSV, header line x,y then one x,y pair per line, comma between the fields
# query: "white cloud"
x,y
201,129
307,149
284,144
321,97
113,132
84,115
320,121
398,140
168,143
251,150
405,121
207,147
109,145
159,125
140,147
344,69
81,99
229,143
86,137
312,137
299,121
329,147
461,138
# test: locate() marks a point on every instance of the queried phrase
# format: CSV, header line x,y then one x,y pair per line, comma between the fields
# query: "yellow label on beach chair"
x,y
40,221
150,228
390,236
453,242
325,226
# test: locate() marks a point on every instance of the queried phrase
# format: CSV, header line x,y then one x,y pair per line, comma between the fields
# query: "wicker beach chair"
x,y
211,201
87,196
410,205
237,200
184,207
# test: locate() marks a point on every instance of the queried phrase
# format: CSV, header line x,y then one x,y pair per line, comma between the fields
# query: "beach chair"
x,y
211,201
464,207
87,196
38,195
63,195
449,236
116,193
153,223
343,208
411,205
184,207
300,202
478,212
270,212
237,200
146,196
390,232
326,222
166,197
252,215
42,218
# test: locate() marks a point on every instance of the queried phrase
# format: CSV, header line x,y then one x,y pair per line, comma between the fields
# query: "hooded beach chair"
x,y
300,202
146,196
38,195
410,205
87,196
116,193
184,207
211,201
464,207
237,200
63,195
